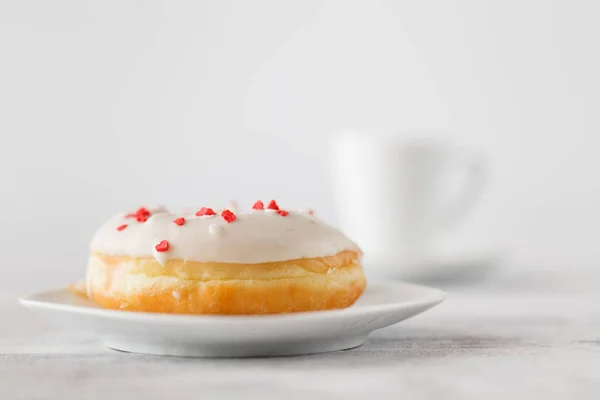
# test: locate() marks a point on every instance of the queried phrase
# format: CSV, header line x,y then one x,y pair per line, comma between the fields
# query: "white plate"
x,y
239,336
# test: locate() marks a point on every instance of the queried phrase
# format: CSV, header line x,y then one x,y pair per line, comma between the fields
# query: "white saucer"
x,y
239,336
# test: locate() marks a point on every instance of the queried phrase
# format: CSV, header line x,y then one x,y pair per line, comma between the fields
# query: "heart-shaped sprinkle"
x,y
141,215
179,221
259,205
273,205
162,246
143,211
205,211
228,216
283,213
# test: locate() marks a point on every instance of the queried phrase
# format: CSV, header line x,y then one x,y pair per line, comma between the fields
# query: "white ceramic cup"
x,y
396,198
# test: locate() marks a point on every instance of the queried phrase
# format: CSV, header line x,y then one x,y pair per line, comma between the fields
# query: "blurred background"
x,y
106,105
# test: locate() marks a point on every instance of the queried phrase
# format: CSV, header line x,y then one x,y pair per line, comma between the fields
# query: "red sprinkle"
x,y
143,211
205,211
283,213
179,221
162,246
272,205
121,227
259,205
228,216
141,215
311,212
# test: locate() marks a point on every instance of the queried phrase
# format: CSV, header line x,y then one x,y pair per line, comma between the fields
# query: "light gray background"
x,y
109,104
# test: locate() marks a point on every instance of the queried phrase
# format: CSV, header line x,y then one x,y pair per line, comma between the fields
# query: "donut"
x,y
264,261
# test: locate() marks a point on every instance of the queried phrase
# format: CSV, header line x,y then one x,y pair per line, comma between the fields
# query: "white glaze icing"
x,y
194,216
160,256
254,237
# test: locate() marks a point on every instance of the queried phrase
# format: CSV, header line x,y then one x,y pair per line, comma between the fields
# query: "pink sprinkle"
x,y
179,221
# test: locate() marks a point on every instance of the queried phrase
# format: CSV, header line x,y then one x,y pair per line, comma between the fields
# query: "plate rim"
x,y
432,298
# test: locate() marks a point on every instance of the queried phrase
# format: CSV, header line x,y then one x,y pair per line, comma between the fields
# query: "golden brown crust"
x,y
188,287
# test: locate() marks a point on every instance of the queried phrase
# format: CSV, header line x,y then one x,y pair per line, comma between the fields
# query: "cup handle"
x,y
459,207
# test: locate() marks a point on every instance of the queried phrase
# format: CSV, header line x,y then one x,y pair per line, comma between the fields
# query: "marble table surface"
x,y
487,342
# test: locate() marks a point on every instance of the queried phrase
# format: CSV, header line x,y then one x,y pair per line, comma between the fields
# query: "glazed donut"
x,y
260,262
